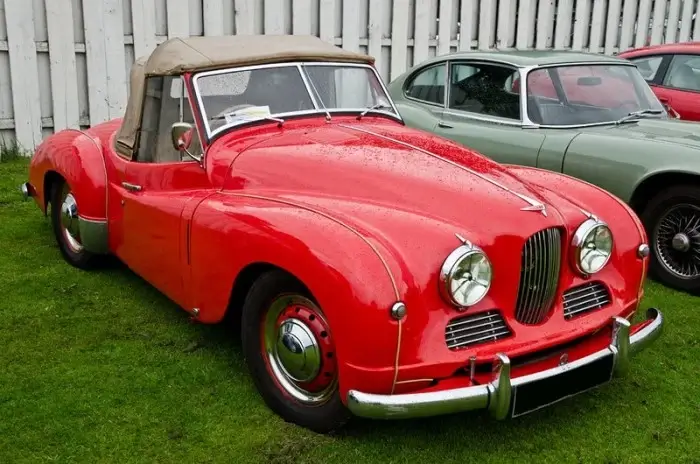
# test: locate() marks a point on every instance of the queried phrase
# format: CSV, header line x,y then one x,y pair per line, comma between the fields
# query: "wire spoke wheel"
x,y
299,349
677,240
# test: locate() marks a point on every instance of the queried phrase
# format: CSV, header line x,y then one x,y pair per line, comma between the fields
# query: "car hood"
x,y
664,131
392,181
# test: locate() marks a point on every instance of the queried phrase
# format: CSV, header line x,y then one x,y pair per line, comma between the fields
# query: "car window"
x,y
484,89
428,85
684,73
648,66
163,107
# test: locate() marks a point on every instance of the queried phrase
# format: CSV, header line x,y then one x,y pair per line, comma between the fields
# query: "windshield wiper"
x,y
636,114
279,121
372,108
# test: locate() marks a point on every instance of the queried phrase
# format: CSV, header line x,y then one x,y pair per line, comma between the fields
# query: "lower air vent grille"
x,y
475,328
584,298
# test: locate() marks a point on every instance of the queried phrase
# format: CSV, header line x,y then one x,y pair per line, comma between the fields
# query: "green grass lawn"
x,y
99,367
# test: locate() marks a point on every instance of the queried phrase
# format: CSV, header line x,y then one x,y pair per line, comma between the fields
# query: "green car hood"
x,y
666,131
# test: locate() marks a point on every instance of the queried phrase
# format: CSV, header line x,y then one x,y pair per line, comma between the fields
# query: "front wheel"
x,y
66,227
672,220
290,353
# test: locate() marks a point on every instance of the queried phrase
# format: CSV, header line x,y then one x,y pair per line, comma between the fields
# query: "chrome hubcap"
x,y
69,220
678,241
299,349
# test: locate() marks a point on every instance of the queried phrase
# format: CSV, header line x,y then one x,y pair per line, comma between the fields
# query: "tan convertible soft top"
x,y
179,55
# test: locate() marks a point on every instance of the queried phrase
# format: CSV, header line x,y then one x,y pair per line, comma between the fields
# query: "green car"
x,y
589,116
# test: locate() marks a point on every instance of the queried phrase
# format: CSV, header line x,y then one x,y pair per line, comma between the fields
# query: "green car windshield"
x,y
575,95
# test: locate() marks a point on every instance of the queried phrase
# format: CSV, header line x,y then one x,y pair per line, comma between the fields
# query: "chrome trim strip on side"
x,y
94,235
496,395
530,201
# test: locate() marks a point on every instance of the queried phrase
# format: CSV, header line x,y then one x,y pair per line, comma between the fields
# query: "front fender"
x,y
346,273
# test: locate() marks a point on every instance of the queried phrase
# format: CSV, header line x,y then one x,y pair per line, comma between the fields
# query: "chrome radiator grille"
x,y
584,298
539,275
476,328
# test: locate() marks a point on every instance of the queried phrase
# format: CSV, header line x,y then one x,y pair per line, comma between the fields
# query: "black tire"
x,y
77,257
658,217
325,417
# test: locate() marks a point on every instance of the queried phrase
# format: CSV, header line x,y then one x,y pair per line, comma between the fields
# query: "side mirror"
x,y
671,112
181,134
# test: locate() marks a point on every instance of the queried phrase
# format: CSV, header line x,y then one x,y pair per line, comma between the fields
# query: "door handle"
x,y
444,125
131,187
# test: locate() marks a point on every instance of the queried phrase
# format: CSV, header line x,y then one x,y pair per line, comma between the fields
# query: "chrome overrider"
x,y
496,395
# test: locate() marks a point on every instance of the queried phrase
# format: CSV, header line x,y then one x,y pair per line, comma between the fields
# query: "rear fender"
x,y
346,274
76,157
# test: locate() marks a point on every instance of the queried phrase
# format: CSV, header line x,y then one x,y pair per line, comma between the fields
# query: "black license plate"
x,y
532,396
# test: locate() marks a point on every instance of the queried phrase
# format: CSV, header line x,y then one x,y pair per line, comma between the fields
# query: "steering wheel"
x,y
231,109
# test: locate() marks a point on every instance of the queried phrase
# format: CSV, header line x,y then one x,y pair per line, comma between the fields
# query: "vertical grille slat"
x,y
539,276
473,329
584,298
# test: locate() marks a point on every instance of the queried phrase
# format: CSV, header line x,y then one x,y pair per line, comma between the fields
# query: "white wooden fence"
x,y
65,63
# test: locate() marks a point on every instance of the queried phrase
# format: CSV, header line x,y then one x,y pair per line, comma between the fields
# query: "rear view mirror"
x,y
181,134
589,81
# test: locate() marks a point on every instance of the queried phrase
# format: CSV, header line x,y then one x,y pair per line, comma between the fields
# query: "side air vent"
x,y
476,328
585,298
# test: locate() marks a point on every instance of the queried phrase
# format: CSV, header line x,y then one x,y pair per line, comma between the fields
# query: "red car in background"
x,y
673,72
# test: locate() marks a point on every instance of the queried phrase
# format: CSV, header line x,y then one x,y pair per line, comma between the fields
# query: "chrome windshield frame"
x,y
318,108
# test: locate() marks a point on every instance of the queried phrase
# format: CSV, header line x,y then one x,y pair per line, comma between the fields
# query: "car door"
x,y
155,188
483,112
680,87
653,69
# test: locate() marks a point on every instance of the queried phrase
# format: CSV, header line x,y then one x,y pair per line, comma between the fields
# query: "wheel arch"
x,y
653,183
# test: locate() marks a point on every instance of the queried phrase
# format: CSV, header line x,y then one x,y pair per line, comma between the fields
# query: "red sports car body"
x,y
373,268
673,73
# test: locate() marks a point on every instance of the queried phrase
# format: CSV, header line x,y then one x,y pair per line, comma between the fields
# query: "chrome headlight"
x,y
592,246
465,277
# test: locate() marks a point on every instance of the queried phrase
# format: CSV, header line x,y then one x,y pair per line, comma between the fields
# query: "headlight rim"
x,y
582,232
462,252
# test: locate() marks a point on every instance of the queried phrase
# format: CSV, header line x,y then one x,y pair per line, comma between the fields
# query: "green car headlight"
x,y
592,246
465,276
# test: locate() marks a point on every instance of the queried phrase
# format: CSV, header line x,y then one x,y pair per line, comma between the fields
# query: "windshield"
x,y
233,97
588,94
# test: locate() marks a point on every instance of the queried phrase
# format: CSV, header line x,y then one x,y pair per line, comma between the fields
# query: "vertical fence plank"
x,y
143,19
487,20
643,17
597,26
629,13
274,17
545,24
326,20
506,8
301,17
613,26
696,26
178,23
582,24
465,24
686,21
104,48
444,27
562,34
64,79
244,17
23,73
672,21
526,19
657,26
376,16
421,31
351,26
399,38
213,17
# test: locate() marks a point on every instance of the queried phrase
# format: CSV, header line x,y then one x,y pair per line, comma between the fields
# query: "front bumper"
x,y
501,394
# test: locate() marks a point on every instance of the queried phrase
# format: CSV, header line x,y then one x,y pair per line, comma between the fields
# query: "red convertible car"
x,y
374,269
